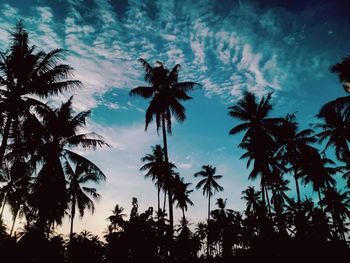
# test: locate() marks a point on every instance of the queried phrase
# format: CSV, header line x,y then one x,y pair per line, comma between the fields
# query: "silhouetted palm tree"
x,y
56,137
85,172
25,73
165,93
155,168
210,187
260,130
117,217
293,144
252,199
342,69
181,194
337,203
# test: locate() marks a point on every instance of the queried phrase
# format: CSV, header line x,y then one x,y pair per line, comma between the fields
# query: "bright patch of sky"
x,y
227,46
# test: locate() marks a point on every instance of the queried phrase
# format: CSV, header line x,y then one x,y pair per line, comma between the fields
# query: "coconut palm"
x,y
253,202
25,73
85,172
210,187
260,130
117,217
165,93
293,144
181,195
56,138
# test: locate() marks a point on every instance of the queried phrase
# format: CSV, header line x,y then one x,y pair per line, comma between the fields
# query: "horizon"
x,y
240,45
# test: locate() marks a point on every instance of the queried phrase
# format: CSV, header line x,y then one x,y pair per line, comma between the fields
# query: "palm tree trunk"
x,y
208,244
3,205
14,221
158,197
72,219
5,137
268,199
164,203
297,188
262,185
319,197
165,147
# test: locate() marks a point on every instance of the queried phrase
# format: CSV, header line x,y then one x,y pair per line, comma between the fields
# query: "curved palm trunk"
x,y
268,199
72,219
14,222
5,137
171,218
208,244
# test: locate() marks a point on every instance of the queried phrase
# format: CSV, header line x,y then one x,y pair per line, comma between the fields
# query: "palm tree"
x,y
342,69
252,199
56,137
25,73
293,144
335,126
337,203
210,187
258,139
315,170
117,217
155,168
85,173
181,195
165,93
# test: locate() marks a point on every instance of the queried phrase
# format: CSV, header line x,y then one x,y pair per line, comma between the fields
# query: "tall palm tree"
x,y
155,167
25,73
260,131
181,195
85,172
293,145
210,187
165,93
56,138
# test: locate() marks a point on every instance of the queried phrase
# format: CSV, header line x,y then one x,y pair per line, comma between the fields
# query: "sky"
x,y
284,47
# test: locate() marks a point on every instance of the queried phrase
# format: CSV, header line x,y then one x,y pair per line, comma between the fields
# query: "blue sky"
x,y
227,46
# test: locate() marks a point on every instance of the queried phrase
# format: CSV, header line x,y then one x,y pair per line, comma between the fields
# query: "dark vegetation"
x,y
43,178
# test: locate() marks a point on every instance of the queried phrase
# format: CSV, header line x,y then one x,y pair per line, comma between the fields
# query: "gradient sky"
x,y
227,46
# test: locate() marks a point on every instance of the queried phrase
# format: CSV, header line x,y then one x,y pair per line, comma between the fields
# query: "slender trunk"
x,y
297,188
5,137
165,147
183,214
158,197
72,219
208,244
3,205
268,199
319,197
164,203
262,185
14,222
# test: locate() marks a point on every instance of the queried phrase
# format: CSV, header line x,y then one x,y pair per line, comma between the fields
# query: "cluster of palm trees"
x,y
42,177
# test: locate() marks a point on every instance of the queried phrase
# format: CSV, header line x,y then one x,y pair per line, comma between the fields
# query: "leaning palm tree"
x,y
210,187
55,139
85,172
165,93
25,74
